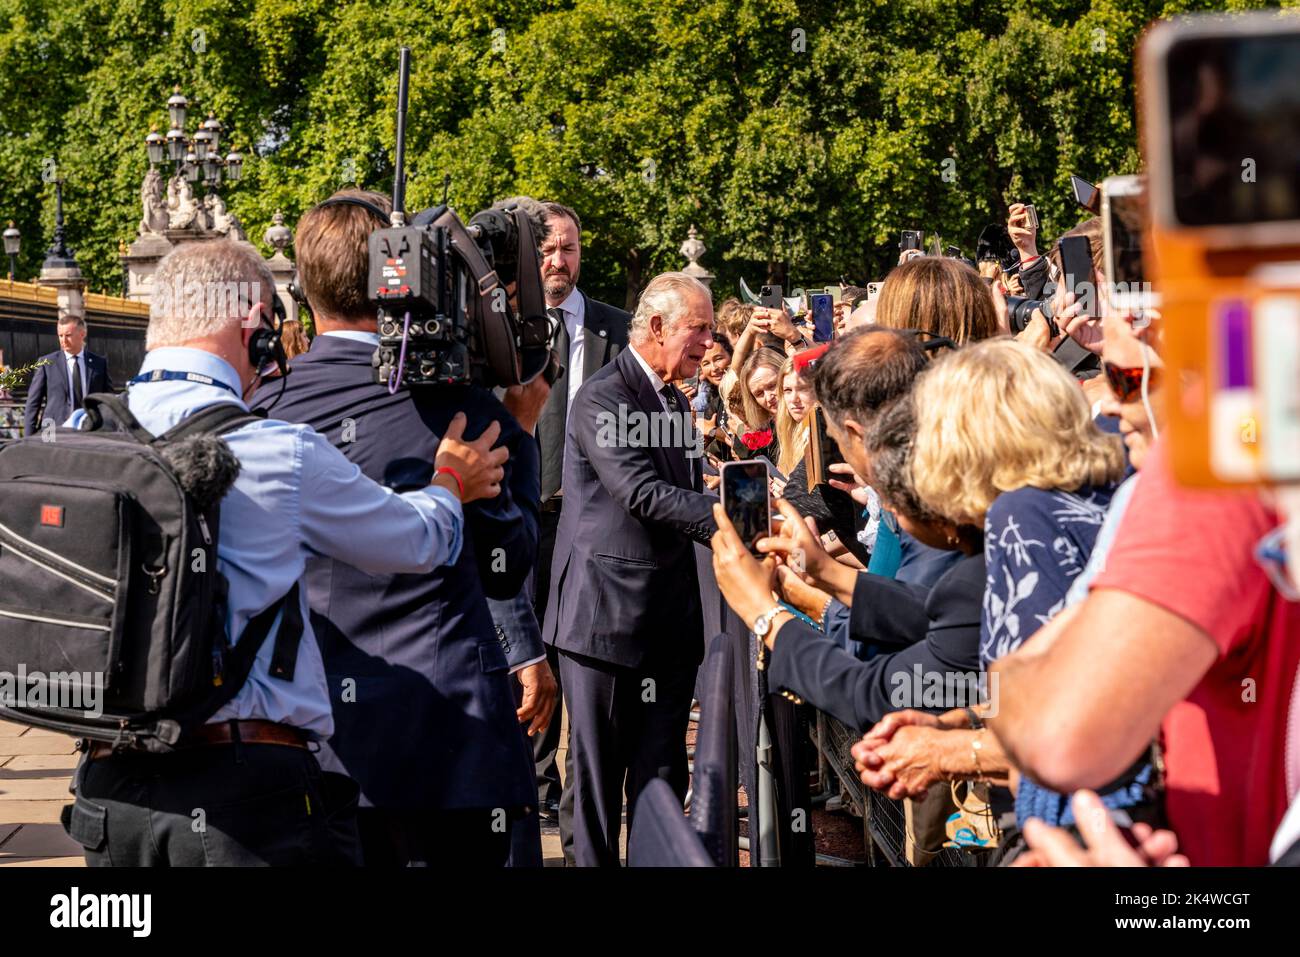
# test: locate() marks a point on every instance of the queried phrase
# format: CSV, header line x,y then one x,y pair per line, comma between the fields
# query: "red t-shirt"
x,y
1192,552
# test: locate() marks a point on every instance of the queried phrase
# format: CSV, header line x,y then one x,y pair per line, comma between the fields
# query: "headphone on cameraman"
x,y
295,289
265,345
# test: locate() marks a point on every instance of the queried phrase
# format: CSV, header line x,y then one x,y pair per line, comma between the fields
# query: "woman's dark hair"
x,y
889,447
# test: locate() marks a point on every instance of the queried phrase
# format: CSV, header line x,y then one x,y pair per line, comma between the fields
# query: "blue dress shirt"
x,y
296,497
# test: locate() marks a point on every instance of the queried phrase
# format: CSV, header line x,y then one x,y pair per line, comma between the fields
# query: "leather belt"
x,y
211,735
552,504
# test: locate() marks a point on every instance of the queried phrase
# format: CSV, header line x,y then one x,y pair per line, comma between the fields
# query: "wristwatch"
x,y
763,623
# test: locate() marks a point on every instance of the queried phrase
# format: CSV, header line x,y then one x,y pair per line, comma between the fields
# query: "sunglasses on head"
x,y
1126,383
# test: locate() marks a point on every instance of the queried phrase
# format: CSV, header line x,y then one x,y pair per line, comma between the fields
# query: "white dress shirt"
x,y
574,310
656,383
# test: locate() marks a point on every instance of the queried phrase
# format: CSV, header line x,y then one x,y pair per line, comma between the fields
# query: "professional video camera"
x,y
457,304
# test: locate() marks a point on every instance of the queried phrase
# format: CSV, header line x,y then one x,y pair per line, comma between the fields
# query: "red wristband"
x,y
448,470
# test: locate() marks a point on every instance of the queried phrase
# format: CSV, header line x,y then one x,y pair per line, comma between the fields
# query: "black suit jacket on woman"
x,y
860,693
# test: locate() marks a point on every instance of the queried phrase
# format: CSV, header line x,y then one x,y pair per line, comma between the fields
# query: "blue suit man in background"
x,y
425,711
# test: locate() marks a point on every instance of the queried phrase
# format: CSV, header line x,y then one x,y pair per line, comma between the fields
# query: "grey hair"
x,y
665,296
75,320
199,287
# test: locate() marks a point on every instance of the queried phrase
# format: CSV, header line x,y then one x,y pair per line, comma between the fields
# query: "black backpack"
x,y
108,567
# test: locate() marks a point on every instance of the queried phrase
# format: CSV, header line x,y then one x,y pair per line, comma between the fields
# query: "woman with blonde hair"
x,y
793,416
759,385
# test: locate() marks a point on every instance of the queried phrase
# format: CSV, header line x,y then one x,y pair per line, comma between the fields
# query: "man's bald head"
x,y
865,371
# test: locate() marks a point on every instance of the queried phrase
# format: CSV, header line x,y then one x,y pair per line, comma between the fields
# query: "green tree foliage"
x,y
800,137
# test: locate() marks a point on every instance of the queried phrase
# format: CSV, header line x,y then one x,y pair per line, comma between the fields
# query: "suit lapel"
x,y
64,382
595,339
672,461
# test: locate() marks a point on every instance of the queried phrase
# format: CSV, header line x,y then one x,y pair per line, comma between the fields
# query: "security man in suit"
x,y
624,606
424,705
68,376
590,335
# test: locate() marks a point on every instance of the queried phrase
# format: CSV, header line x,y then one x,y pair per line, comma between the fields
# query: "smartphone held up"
x,y
746,501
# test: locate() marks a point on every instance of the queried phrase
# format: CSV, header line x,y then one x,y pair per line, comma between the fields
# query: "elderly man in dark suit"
x,y
423,698
590,335
57,390
624,606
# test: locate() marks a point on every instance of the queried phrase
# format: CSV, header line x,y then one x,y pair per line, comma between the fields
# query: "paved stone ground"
x,y
35,766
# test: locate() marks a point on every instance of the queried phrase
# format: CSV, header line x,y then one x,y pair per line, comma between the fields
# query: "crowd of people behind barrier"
x,y
1048,624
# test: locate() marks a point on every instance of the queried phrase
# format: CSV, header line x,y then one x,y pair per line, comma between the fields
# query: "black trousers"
x,y
546,743
626,726
470,838
226,805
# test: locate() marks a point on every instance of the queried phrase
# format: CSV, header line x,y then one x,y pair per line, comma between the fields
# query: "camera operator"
x,y
423,704
249,770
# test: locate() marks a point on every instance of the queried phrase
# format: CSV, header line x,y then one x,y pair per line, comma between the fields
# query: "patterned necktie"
x,y
670,397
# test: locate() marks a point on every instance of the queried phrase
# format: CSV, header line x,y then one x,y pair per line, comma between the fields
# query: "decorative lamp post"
x,y
155,144
58,255
13,240
234,165
193,157
177,108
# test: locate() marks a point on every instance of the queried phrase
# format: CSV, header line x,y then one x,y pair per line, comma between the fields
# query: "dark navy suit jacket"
x,y
941,637
623,583
47,396
424,708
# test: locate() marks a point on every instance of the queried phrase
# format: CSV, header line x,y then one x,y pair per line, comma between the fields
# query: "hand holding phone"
x,y
1022,227
1076,271
745,500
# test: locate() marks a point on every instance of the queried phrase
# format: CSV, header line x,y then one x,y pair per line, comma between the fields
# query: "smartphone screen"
x,y
1234,113
823,316
1076,264
1031,216
745,499
1124,254
912,239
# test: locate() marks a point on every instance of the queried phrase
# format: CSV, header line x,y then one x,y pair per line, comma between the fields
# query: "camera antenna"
x,y
446,187
398,217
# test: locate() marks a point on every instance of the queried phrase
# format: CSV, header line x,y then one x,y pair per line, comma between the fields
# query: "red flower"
x,y
757,440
